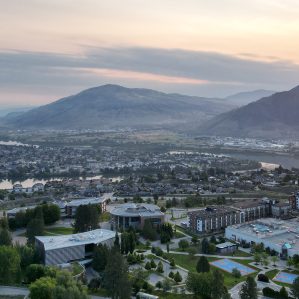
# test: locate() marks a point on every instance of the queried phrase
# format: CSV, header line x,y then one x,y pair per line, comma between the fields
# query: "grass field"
x,y
189,263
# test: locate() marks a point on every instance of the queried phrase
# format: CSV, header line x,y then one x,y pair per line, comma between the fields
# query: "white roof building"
x,y
66,248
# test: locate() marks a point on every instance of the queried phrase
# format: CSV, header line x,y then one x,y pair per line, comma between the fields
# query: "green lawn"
x,y
55,231
189,263
58,231
173,296
272,273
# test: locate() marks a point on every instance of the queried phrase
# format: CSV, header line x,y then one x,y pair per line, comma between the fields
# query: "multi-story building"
x,y
63,249
254,209
294,201
213,219
134,215
71,207
218,218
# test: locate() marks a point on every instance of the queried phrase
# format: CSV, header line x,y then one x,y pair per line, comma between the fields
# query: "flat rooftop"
x,y
92,237
86,201
278,232
212,210
135,210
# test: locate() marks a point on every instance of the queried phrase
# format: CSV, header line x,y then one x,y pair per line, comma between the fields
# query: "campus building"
x,y
216,218
71,207
56,250
213,219
134,215
294,201
279,235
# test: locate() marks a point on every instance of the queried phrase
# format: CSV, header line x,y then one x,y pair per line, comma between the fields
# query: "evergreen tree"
x,y
9,265
87,218
5,237
116,241
116,279
295,288
218,280
203,265
148,230
100,256
160,267
248,289
177,277
36,226
205,246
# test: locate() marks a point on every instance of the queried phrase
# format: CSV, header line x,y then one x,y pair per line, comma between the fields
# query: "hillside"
x,y
113,106
244,98
275,116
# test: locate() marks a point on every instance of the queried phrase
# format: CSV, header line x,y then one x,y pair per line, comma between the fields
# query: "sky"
x,y
54,48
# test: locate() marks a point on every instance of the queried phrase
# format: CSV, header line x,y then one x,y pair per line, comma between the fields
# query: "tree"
x,y
51,213
34,272
34,228
100,257
9,265
177,277
274,259
172,263
42,288
5,237
166,286
159,285
295,288
148,266
217,280
194,240
205,246
171,275
160,267
200,284
116,279
257,258
183,244
60,286
248,289
153,264
148,230
283,293
203,265
116,241
236,273
87,218
290,262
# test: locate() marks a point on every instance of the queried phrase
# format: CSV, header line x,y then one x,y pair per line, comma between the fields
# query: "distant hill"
x,y
112,106
275,116
244,98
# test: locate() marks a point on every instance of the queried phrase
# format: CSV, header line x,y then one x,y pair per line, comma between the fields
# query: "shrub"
x,y
263,278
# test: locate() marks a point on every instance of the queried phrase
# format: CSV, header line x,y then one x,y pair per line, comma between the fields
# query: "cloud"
x,y
172,70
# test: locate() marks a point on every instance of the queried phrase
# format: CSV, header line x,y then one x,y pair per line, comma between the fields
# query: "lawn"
x,y
189,263
173,296
54,231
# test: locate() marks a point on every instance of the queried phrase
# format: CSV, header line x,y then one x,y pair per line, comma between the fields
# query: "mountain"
x,y
275,116
112,106
14,109
244,98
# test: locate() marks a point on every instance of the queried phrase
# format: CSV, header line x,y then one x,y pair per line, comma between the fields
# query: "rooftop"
x,y
278,232
134,210
212,210
92,237
86,201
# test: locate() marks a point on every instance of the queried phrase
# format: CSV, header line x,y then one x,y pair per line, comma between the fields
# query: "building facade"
x,y
134,215
56,250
